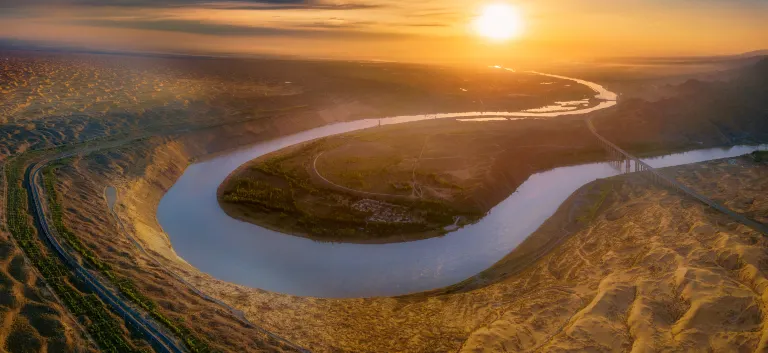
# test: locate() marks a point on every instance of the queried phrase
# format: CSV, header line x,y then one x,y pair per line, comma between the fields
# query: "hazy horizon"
x,y
394,30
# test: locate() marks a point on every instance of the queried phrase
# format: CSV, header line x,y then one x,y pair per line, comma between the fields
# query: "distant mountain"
x,y
734,60
753,54
754,80
761,68
718,113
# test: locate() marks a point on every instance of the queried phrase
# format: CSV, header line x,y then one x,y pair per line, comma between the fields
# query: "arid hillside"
x,y
51,99
700,113
623,265
647,268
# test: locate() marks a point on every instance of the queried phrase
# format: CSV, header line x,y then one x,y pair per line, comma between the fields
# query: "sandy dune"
x,y
31,319
655,272
648,271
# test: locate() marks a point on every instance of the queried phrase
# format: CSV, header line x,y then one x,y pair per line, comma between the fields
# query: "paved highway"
x,y
160,340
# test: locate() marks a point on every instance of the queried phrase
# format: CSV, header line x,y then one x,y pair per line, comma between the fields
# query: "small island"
x,y
398,183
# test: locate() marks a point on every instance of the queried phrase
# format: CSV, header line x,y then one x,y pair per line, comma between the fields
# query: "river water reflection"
x,y
249,255
246,254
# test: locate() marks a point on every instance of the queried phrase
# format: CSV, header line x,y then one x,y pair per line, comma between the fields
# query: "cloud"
x,y
188,26
286,5
327,19
235,4
220,29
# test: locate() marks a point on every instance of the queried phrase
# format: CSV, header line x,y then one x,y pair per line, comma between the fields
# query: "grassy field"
x,y
280,189
398,183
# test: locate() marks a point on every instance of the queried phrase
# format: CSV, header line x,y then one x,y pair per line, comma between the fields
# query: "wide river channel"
x,y
253,256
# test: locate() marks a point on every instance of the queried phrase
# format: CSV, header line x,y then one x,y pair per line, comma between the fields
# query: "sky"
x,y
394,30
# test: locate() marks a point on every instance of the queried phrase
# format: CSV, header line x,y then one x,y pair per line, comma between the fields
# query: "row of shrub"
x,y
259,193
124,284
92,314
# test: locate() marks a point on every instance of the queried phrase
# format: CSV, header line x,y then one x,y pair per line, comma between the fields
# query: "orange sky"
x,y
403,30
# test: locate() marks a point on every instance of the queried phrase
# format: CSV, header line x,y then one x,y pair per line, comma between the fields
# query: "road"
x,y
28,262
163,341
160,340
145,324
319,177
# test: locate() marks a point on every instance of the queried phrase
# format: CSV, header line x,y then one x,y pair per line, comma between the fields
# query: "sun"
x,y
499,22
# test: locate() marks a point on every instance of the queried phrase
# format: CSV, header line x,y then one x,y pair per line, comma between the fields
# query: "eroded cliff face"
x,y
140,196
651,269
142,171
637,274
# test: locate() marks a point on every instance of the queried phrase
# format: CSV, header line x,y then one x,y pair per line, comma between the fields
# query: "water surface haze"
x,y
247,254
250,255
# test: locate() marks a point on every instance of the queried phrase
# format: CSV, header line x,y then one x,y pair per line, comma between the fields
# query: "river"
x,y
253,256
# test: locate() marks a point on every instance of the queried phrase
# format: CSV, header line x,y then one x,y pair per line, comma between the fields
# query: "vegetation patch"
x,y
395,183
103,326
597,200
760,156
125,285
282,190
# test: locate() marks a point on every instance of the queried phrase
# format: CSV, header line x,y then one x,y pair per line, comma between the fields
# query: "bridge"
x,y
627,163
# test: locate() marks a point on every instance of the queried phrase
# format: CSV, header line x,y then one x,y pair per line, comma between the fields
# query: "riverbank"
x,y
440,322
642,240
526,310
399,183
520,311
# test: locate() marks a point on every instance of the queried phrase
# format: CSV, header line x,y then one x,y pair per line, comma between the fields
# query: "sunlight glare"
x,y
499,22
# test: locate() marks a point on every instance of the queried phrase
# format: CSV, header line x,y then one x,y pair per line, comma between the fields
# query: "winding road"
x,y
161,340
315,174
159,337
